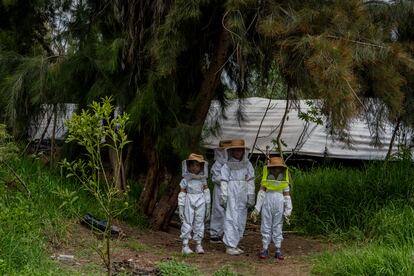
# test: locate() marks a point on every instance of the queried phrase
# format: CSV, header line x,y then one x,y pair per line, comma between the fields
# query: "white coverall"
x,y
237,185
272,219
194,205
272,216
217,212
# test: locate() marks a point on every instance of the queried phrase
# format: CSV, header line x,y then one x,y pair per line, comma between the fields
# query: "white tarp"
x,y
314,142
64,112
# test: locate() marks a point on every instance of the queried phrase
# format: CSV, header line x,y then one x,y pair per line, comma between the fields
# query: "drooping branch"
x,y
282,124
394,134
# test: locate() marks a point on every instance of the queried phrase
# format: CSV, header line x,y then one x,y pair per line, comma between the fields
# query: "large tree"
x,y
162,61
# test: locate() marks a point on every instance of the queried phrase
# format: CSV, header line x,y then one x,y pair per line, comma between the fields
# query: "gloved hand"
x,y
259,201
207,198
287,207
250,200
181,212
181,203
254,214
223,200
208,212
223,195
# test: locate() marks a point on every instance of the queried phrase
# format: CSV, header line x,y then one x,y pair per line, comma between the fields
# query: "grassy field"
x,y
367,212
28,225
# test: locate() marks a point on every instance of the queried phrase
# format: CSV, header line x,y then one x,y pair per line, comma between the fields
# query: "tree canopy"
x,y
162,61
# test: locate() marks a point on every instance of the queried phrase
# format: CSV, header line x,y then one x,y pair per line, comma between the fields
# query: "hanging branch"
x,y
52,146
394,134
308,117
278,141
260,126
43,133
18,177
301,140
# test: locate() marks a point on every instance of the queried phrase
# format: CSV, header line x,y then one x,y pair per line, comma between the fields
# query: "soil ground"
x,y
139,251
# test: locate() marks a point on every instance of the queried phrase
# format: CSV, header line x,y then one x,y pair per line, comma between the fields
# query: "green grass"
x,y
328,200
135,245
369,211
29,225
172,268
26,225
225,271
371,259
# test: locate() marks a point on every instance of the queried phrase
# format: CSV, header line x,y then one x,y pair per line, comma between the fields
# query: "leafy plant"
x,y
176,268
9,152
95,130
225,271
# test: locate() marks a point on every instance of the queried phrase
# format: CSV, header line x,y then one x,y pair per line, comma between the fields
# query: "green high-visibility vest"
x,y
274,185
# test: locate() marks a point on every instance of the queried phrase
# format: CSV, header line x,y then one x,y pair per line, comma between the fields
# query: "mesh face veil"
x,y
219,154
236,155
234,163
203,174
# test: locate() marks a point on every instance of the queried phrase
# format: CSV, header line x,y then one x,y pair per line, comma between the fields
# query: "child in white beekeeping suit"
x,y
194,201
237,193
217,211
274,201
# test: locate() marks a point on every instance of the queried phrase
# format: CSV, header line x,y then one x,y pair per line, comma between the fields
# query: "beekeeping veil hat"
x,y
276,162
219,155
193,157
230,161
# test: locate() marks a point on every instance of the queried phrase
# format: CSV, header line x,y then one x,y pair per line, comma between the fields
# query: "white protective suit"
x,y
217,212
237,187
194,203
273,206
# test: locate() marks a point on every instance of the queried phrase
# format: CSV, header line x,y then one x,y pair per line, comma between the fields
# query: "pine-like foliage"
x,y
155,57
337,51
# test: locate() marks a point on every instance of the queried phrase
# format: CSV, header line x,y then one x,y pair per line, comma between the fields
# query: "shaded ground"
x,y
141,250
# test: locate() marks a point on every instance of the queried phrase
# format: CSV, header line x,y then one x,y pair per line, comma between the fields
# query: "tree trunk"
x,y
149,193
117,170
167,204
211,78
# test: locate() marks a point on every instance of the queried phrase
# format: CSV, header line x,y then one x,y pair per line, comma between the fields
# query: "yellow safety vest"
x,y
274,185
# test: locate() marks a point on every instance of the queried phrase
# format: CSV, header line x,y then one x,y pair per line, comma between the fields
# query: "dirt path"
x,y
141,250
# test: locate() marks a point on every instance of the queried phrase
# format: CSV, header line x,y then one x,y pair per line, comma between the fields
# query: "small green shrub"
x,y
97,129
172,268
225,271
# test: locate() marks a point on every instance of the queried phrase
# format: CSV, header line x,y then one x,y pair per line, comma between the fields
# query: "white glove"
x,y
207,212
250,191
259,201
254,214
181,198
181,203
250,200
207,198
223,201
288,207
223,196
181,212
